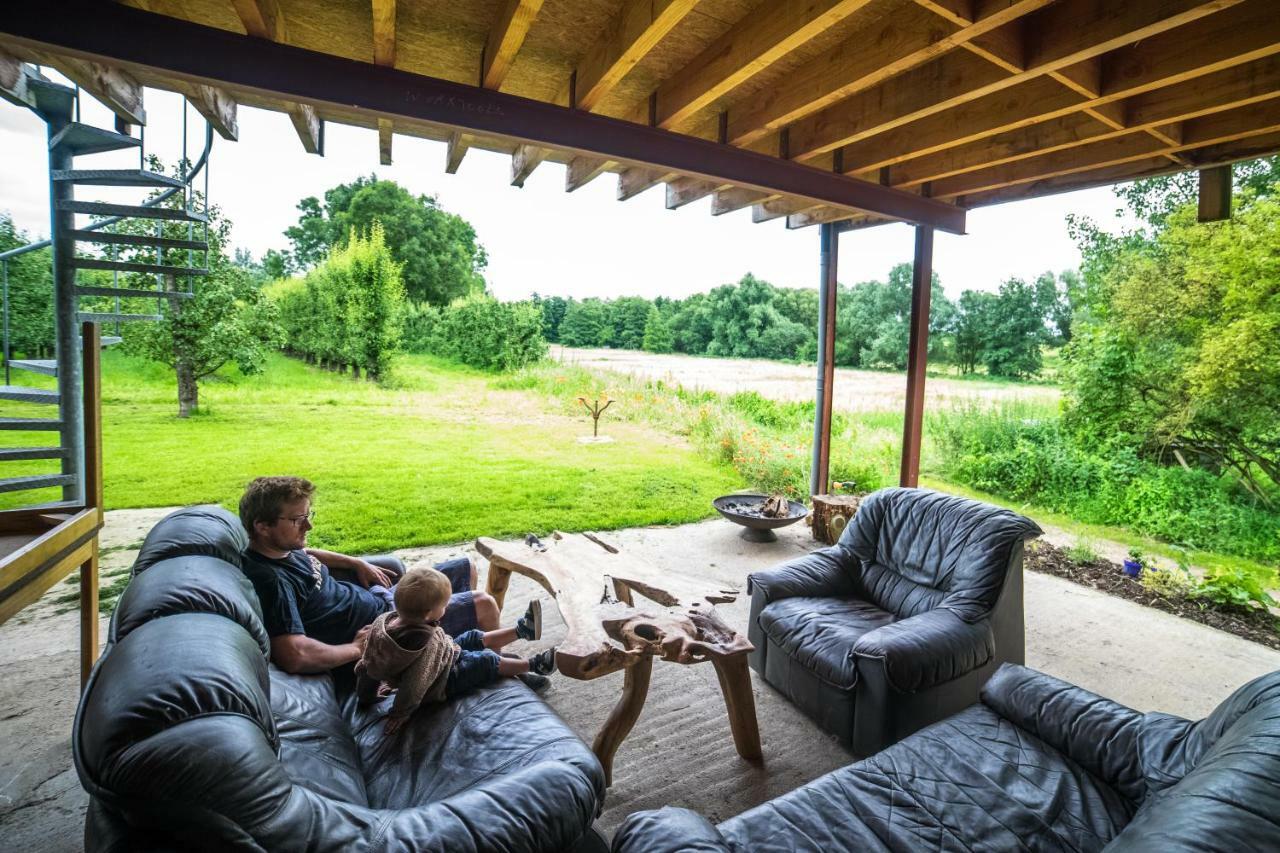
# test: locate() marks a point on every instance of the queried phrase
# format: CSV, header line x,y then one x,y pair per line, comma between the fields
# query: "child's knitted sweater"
x,y
418,674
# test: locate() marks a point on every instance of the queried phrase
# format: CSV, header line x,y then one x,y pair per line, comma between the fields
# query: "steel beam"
x,y
917,356
122,35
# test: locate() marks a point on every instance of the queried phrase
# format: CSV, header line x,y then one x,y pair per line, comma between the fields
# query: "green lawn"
x,y
443,456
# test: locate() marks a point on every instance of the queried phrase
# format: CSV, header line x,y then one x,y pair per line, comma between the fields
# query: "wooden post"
x,y
497,583
1215,194
91,354
635,687
735,684
917,356
829,256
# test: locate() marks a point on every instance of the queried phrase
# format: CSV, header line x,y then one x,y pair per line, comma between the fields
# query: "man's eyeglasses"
x,y
296,520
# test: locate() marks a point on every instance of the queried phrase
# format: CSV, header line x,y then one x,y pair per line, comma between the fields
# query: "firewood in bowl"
x,y
776,506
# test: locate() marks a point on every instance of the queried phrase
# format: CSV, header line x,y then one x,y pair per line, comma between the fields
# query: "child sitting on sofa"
x,y
408,650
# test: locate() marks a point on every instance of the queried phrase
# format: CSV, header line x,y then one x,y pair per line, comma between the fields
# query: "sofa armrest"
x,y
822,574
927,650
1096,733
668,830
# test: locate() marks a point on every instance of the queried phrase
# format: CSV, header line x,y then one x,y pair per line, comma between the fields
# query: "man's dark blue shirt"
x,y
299,596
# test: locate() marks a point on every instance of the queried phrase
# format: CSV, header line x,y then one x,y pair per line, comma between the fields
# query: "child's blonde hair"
x,y
420,591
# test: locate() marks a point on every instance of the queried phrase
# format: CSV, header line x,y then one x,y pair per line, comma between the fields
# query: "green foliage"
x,y
586,324
437,250
480,331
1237,587
657,333
1029,456
349,310
553,309
30,294
1170,582
1082,551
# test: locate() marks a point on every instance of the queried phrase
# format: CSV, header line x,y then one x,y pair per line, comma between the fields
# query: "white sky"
x,y
541,238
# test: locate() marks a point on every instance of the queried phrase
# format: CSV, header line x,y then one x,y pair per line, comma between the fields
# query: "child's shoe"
x,y
529,626
544,662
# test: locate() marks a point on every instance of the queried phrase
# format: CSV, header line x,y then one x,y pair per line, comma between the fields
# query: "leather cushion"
x,y
972,782
452,747
167,671
316,746
819,633
190,584
206,530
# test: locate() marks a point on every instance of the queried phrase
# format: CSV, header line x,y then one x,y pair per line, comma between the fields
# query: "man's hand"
x,y
393,725
361,638
368,574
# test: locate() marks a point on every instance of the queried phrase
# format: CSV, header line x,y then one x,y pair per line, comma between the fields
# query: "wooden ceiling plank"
x,y
583,170
384,141
682,191
505,39
1239,35
636,30
753,44
116,89
1063,35
457,147
899,43
384,32
736,198
524,160
217,107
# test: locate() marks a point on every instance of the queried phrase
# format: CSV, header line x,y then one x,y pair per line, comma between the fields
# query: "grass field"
x,y
442,456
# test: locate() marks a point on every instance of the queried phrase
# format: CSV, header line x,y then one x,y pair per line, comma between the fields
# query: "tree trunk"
x,y
355,371
188,390
831,513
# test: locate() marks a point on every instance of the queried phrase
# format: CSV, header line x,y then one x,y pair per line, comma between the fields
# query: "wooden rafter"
x,y
753,44
635,180
13,80
1247,32
524,160
458,145
384,141
682,191
505,39
261,19
309,127
821,215
636,30
736,198
1065,34
780,207
217,107
115,88
899,43
583,170
384,32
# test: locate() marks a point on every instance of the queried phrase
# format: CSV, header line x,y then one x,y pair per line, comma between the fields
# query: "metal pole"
x,y
64,310
828,263
917,356
4,272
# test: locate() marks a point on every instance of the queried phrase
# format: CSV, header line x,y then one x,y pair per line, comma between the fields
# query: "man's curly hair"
x,y
265,497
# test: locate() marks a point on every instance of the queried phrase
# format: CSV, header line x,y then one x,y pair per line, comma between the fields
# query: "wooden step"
x,y
22,394
35,481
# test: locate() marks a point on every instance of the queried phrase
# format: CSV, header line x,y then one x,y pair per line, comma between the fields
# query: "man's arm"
x,y
298,653
364,571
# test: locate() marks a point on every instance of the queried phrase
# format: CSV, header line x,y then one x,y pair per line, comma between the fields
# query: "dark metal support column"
x,y
829,261
67,329
917,356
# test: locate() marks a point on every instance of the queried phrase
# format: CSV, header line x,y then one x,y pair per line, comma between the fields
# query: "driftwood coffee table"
x,y
593,584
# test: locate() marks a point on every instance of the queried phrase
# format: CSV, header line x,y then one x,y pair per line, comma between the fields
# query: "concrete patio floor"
x,y
680,751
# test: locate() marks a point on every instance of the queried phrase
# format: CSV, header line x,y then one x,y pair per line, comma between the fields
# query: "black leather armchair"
x,y
187,739
898,624
1037,765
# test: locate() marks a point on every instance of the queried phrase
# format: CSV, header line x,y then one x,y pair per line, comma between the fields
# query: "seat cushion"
x,y
316,746
457,745
819,633
972,782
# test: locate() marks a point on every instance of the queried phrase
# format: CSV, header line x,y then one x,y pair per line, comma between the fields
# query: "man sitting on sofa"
x,y
315,622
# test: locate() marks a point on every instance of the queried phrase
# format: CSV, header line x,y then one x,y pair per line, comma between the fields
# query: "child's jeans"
x,y
474,668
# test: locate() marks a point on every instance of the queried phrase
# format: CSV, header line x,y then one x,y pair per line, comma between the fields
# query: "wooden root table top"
x,y
596,587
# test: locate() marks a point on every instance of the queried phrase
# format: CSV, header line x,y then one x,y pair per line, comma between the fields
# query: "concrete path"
x,y
680,750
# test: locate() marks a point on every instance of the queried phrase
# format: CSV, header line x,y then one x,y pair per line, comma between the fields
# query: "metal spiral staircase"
x,y
74,303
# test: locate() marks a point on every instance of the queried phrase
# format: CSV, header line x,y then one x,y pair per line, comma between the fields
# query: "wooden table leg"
x,y
735,684
635,687
622,592
497,583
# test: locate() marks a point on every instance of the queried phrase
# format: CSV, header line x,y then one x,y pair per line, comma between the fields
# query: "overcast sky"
x,y
541,238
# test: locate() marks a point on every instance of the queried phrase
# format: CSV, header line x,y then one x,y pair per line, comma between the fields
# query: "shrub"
x,y
480,331
1082,551
1237,587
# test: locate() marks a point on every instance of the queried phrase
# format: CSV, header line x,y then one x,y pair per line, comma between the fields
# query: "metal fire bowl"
x,y
757,529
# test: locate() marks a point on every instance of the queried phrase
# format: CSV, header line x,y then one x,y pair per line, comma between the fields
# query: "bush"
x,y
480,331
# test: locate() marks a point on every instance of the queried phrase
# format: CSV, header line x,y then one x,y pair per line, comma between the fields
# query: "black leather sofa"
x,y
186,739
1038,765
901,622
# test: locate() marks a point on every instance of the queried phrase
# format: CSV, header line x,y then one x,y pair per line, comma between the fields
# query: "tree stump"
x,y
830,515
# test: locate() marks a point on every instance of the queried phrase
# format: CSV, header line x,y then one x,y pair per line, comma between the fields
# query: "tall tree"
x,y
657,334
30,294
437,250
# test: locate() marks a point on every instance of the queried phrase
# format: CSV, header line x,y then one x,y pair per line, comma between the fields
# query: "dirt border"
x,y
1255,625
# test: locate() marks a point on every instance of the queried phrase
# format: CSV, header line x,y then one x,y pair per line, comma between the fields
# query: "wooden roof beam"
x,y
524,160
13,80
384,141
754,43
263,19
1060,35
458,145
1159,113
682,191
780,207
736,198
583,170
505,39
635,180
116,89
635,31
310,127
384,32
1238,35
902,41
821,215
217,107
